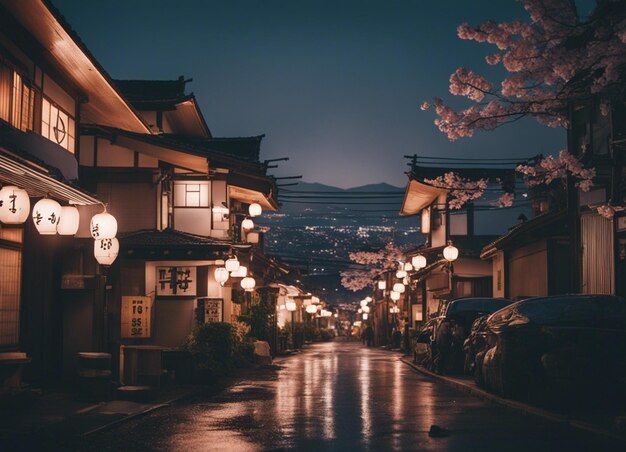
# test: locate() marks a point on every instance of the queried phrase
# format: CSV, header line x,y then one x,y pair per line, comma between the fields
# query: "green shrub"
x,y
212,347
326,335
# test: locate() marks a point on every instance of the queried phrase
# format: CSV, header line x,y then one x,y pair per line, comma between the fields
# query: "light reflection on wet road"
x,y
338,396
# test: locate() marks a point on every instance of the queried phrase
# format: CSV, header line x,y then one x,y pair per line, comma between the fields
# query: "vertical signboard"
x,y
176,281
210,310
136,317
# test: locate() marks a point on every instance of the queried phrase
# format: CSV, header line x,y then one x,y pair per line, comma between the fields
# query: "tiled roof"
x,y
242,148
169,238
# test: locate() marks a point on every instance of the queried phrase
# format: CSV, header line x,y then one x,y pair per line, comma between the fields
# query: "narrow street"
x,y
338,396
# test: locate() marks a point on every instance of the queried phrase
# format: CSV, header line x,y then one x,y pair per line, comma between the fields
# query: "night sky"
x,y
335,85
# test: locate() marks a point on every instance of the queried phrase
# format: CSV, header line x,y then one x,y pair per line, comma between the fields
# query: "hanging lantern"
x,y
241,272
368,299
366,309
70,219
247,224
408,267
290,305
106,250
395,296
232,264
418,262
400,274
14,205
311,309
359,311
255,209
382,285
364,316
363,303
248,284
103,226
221,275
450,252
315,300
398,287
46,214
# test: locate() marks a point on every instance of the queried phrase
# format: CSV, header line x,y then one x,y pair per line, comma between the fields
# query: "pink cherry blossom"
x,y
374,263
551,169
462,190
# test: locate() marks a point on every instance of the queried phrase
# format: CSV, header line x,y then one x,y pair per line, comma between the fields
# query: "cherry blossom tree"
x,y
374,263
462,190
554,57
550,169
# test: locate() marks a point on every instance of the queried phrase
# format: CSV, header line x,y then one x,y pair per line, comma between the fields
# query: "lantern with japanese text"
x,y
46,214
221,275
255,209
70,218
103,226
106,250
14,205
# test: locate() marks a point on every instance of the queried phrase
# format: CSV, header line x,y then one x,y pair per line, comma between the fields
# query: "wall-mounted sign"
x,y
621,223
210,310
136,317
179,281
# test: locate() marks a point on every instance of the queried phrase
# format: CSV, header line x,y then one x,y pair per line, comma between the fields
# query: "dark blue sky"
x,y
334,85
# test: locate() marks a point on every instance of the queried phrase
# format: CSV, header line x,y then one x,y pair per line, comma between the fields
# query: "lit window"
x,y
57,125
10,277
191,194
17,100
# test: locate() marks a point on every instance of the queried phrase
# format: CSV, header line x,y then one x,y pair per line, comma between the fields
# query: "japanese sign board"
x,y
210,310
136,317
176,281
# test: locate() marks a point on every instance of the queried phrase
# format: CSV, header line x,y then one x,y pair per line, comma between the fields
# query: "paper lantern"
x,y
311,309
366,309
46,214
248,283
418,262
315,300
241,272
106,250
363,303
400,274
395,296
103,226
232,264
70,219
382,285
247,224
368,299
398,287
450,252
365,316
221,275
14,205
255,210
290,305
408,267
359,311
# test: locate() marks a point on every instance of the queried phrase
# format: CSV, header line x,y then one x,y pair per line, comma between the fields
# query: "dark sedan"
x,y
567,348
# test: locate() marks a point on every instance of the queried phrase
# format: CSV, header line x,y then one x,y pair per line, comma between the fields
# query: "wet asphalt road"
x,y
339,396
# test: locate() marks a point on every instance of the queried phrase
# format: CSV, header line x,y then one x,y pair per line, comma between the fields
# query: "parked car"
x,y
452,327
475,344
558,349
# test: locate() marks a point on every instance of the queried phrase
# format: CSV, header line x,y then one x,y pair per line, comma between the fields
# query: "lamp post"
x,y
451,253
290,304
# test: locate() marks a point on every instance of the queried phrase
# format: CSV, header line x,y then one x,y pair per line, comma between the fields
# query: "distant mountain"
x,y
376,188
314,186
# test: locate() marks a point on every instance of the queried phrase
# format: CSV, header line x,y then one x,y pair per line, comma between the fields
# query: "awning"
x,y
249,196
38,181
418,196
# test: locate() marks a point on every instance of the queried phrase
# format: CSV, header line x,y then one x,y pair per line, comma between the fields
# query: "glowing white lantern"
x,y
359,311
232,264
418,262
255,210
103,226
247,224
290,305
241,272
315,300
46,214
221,275
311,309
395,296
248,284
14,205
400,274
365,316
398,287
450,252
408,267
382,285
366,309
70,219
368,299
106,250
363,303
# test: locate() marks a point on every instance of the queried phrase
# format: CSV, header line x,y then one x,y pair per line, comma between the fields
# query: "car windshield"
x,y
486,305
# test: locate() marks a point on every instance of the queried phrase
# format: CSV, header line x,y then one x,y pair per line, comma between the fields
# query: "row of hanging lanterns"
x,y
233,268
103,229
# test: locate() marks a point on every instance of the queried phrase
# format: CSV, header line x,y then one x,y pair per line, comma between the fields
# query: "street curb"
x,y
517,406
